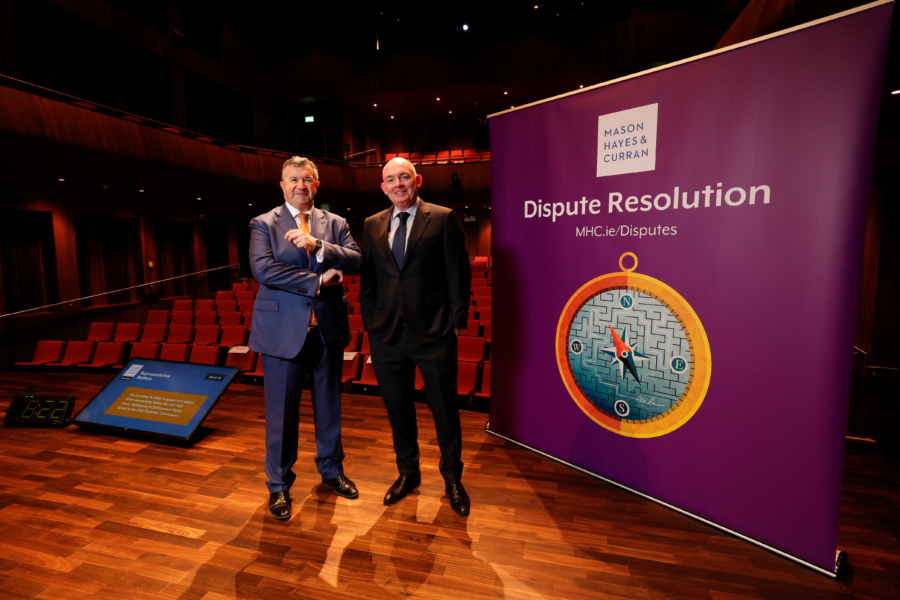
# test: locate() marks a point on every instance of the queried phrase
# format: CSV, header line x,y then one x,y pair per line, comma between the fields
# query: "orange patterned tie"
x,y
304,227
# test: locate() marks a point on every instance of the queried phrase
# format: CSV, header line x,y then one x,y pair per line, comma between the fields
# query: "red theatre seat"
x,y
243,361
388,157
207,335
466,378
244,296
158,316
101,332
470,349
246,305
420,381
224,295
154,333
206,317
443,157
352,297
353,344
76,353
356,309
47,351
403,155
254,287
230,319
368,374
180,333
203,305
471,330
174,352
364,346
128,332
258,371
482,302
485,383
471,313
484,314
141,350
456,156
235,335
352,367
240,287
471,154
182,305
479,285
182,316
356,322
248,319
106,355
205,355
226,305
487,331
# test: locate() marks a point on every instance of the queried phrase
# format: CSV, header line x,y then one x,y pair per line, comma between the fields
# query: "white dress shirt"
x,y
395,222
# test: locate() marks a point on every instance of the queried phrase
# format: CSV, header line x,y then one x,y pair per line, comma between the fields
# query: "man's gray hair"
x,y
300,162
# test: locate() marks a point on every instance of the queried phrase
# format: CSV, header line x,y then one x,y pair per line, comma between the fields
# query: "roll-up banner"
x,y
676,270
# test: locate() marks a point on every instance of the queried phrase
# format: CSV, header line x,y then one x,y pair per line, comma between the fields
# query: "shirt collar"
x,y
295,212
411,210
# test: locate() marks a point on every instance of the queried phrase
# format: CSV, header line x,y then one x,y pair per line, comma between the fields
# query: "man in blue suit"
x,y
298,253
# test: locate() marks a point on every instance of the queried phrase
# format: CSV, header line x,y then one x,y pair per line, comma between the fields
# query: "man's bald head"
x,y
401,182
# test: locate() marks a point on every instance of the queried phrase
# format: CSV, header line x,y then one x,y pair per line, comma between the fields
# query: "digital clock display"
x,y
32,410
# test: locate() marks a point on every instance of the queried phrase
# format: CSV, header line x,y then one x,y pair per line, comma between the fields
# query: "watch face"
x,y
633,354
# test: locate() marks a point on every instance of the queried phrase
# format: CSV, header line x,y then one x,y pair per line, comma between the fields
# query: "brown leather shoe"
x,y
342,486
459,499
280,505
403,486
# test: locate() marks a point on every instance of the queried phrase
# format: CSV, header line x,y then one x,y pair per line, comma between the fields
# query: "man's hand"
x,y
457,331
332,277
301,239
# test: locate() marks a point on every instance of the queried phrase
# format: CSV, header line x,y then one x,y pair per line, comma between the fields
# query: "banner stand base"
x,y
841,562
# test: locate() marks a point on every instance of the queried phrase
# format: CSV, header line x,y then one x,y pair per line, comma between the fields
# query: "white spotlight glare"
x,y
465,27
894,93
62,179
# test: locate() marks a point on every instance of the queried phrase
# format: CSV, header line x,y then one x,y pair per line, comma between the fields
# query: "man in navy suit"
x,y
298,253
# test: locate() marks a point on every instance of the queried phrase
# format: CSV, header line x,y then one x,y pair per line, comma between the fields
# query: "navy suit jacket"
x,y
289,278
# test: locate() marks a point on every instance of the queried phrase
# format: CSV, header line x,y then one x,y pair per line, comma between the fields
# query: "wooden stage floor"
x,y
88,515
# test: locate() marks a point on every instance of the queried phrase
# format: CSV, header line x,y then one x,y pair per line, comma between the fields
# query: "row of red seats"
x,y
442,158
201,317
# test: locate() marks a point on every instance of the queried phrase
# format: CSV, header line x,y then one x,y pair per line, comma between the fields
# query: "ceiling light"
x,y
62,179
438,99
512,106
374,105
348,209
198,198
465,27
250,205
467,207
141,191
894,93
392,116
504,93
580,86
451,112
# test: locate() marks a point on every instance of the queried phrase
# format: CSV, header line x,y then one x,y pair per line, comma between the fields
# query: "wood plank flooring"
x,y
84,515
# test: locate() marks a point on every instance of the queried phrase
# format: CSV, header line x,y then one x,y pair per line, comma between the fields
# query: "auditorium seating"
x,y
367,378
352,368
101,332
180,333
106,355
179,305
182,316
206,317
364,344
484,314
240,287
254,287
246,305
443,157
127,332
224,306
207,335
47,351
224,295
77,352
456,156
353,344
482,301
205,305
141,350
256,375
154,333
356,322
248,319
174,352
356,309
230,319
243,361
480,399
466,378
205,355
472,329
352,297
470,349
486,326
244,296
419,383
235,335
158,316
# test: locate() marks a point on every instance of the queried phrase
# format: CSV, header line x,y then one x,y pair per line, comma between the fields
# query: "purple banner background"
x,y
775,285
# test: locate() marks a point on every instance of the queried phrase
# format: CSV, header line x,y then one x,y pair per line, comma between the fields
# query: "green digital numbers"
x,y
29,409
58,411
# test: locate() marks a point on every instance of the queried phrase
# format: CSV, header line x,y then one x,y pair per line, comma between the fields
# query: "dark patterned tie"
x,y
398,244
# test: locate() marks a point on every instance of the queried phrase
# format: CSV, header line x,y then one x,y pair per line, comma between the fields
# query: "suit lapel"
x,y
380,238
420,223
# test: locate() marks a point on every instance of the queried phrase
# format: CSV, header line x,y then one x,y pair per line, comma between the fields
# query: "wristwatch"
x,y
318,245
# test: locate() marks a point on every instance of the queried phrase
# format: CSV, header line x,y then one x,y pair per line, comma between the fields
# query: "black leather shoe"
x,y
459,499
280,505
342,486
403,486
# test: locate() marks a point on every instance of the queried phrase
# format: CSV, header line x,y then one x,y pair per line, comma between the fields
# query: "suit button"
x,y
309,303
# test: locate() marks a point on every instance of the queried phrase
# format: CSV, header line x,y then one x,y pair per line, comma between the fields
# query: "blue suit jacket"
x,y
288,282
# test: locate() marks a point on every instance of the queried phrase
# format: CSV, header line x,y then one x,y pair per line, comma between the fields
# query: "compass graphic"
x,y
633,354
